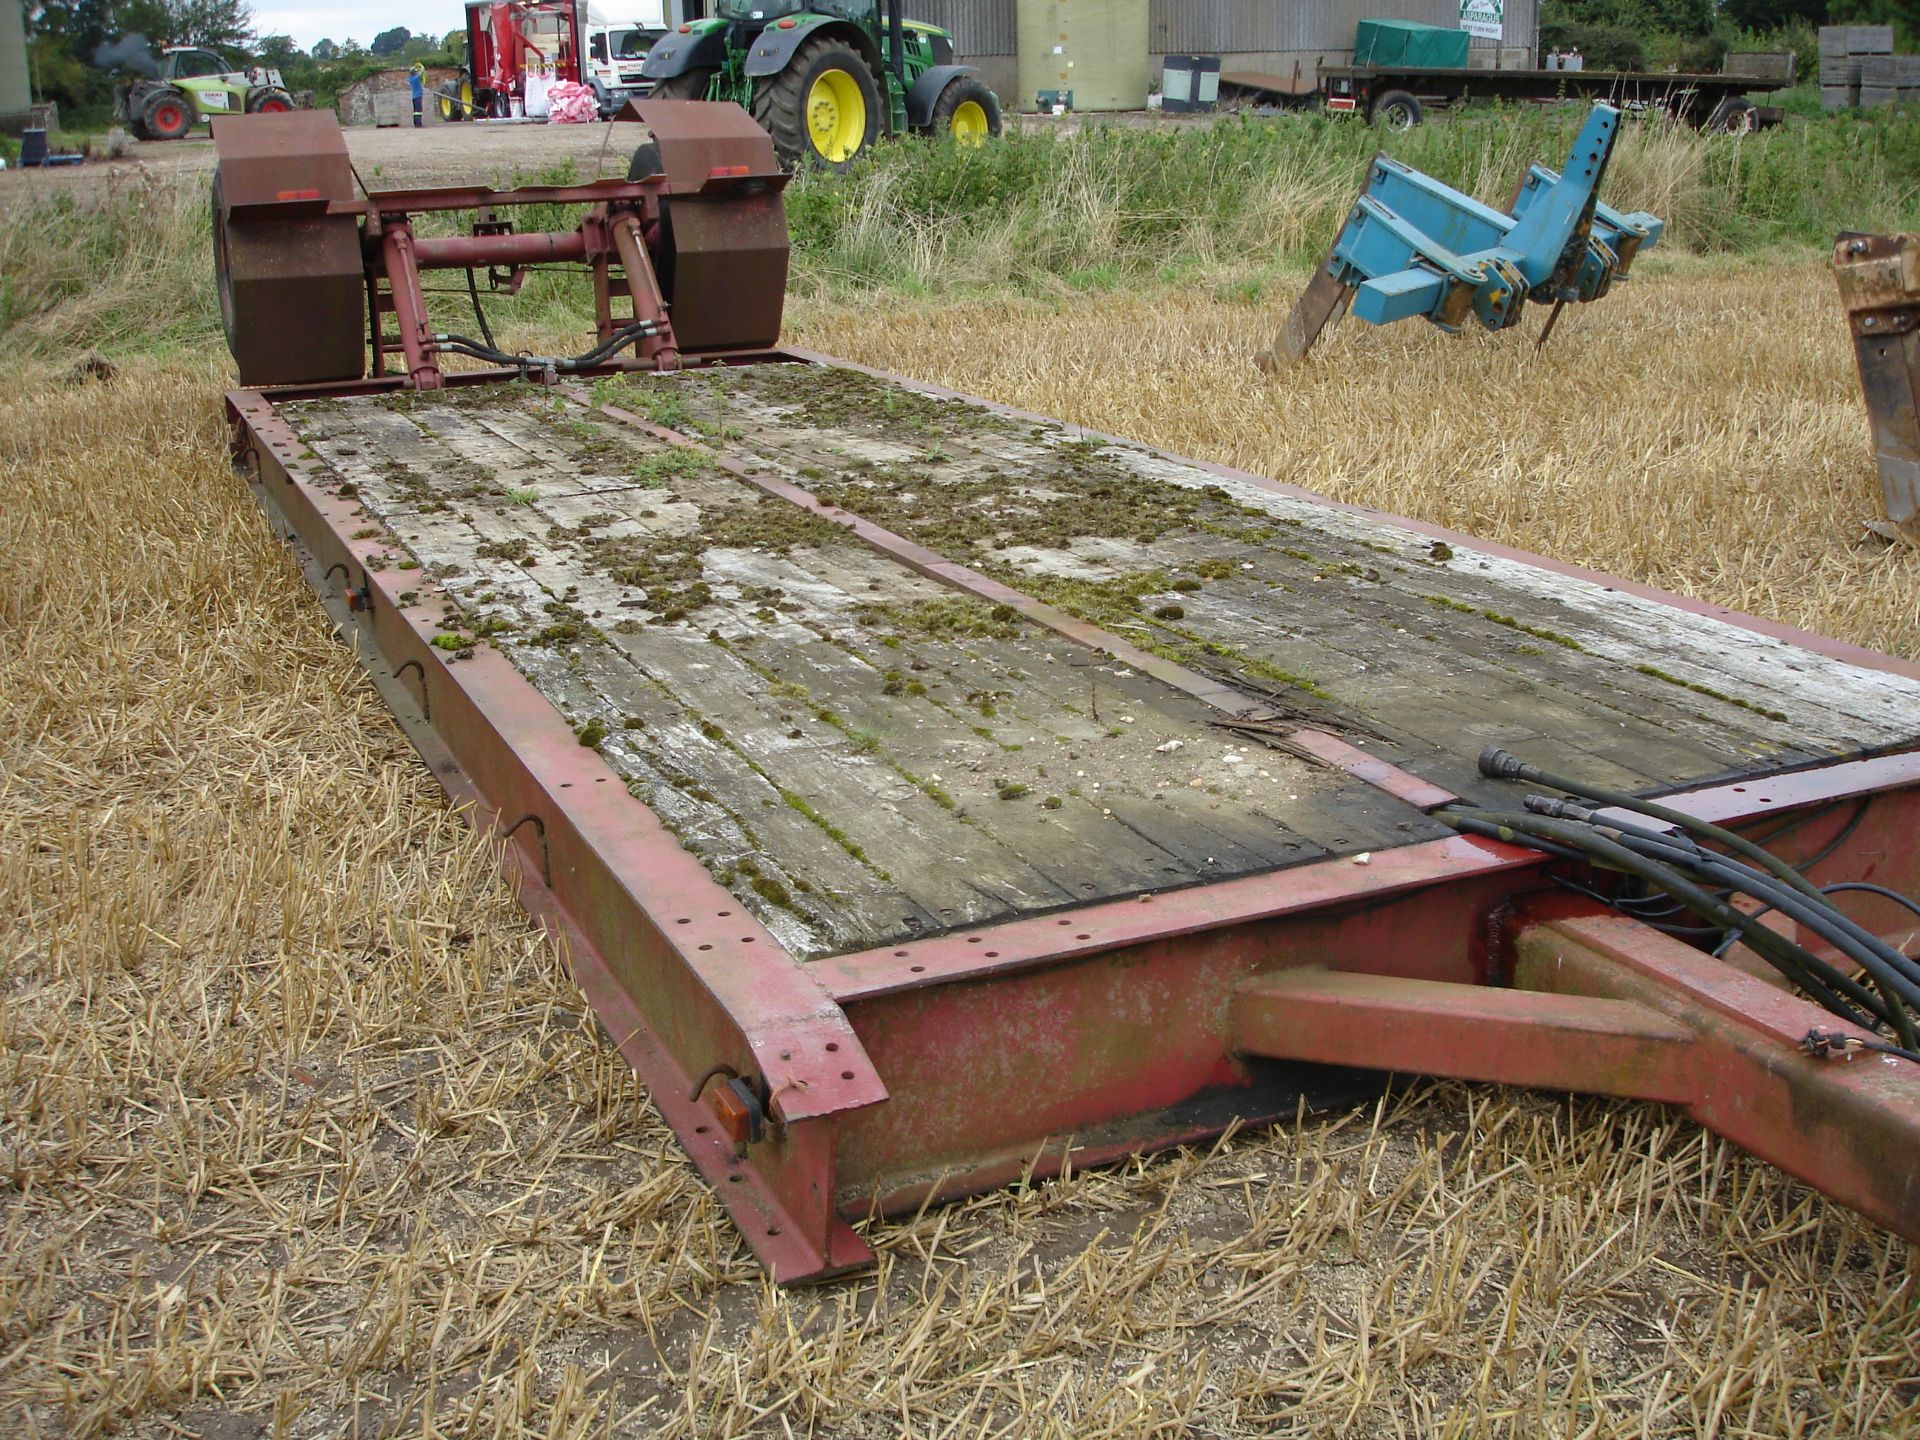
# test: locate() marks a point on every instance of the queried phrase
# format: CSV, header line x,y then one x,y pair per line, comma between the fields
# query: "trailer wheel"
x,y
268,100
1733,116
687,85
968,111
823,109
167,115
268,273
1396,110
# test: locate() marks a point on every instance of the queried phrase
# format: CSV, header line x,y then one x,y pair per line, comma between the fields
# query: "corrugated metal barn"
x,y
1267,35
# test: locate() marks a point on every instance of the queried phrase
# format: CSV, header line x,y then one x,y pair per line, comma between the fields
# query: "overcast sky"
x,y
310,20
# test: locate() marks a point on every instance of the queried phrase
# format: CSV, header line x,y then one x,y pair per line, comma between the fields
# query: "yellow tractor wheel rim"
x,y
464,108
836,116
969,125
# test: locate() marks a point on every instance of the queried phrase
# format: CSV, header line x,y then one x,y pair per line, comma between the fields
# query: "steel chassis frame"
x,y
950,1065
312,255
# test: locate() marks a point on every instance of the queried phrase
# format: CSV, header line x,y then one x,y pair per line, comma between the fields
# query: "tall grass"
x,y
1037,213
1115,200
130,270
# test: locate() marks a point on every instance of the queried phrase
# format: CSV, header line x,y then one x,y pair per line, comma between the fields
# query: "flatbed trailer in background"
x,y
1400,96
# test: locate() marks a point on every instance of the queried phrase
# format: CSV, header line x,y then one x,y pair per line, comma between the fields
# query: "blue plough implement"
x,y
1412,246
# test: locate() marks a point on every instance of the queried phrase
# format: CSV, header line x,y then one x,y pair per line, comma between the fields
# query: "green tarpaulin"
x,y
1407,42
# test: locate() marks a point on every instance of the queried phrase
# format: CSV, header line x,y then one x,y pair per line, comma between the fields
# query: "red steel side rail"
x,y
689,987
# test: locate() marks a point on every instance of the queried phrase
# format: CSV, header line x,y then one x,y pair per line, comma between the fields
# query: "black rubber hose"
x,y
1860,885
1681,850
1804,969
465,345
1500,765
479,314
1880,890
1901,997
1800,962
1858,943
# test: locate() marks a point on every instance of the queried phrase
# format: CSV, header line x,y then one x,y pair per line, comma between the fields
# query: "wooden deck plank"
x,y
865,754
1435,648
861,756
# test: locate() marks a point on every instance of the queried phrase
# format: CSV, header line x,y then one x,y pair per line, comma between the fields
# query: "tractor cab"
x,y
757,14
185,63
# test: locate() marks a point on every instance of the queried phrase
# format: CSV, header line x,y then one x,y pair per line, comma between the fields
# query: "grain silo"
x,y
15,97
1083,54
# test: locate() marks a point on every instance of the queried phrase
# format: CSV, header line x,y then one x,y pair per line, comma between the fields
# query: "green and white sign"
x,y
1485,18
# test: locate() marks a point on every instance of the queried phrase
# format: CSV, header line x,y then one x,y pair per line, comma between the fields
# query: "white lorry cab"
x,y
616,42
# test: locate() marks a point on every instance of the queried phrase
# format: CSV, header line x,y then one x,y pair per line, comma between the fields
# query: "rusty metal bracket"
x,y
426,706
539,829
1879,279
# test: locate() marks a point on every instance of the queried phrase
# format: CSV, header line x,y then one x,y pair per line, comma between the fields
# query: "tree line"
x,y
1696,35
67,40
76,52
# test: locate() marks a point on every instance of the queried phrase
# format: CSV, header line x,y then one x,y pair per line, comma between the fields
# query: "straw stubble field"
x,y
306,1131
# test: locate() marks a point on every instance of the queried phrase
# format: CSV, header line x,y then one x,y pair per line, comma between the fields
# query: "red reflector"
x,y
787,24
297,195
721,171
736,1120
686,29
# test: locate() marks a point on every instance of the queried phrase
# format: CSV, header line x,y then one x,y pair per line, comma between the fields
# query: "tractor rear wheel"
x,y
460,104
968,111
268,100
167,115
823,109
687,85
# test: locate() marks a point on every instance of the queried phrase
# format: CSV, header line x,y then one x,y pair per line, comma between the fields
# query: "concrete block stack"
x,y
1844,51
1885,79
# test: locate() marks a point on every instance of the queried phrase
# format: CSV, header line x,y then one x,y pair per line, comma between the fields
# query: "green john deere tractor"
x,y
826,78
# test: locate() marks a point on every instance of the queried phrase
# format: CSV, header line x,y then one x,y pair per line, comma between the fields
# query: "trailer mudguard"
x,y
773,47
925,93
675,54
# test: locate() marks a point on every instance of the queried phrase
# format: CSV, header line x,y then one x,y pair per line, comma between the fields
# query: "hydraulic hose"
x,y
464,345
1826,920
1498,764
1861,885
1674,860
1800,964
1804,969
479,313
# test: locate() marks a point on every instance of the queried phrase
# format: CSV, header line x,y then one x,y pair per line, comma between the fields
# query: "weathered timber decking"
x,y
860,754
863,754
1353,623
